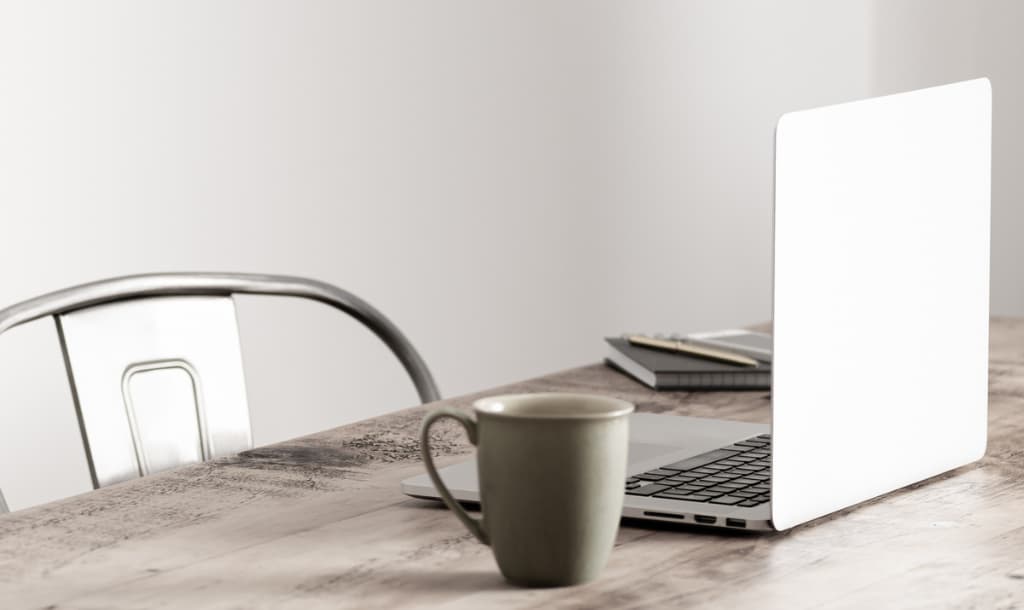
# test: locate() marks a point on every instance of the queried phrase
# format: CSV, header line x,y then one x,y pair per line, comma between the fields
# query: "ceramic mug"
x,y
552,468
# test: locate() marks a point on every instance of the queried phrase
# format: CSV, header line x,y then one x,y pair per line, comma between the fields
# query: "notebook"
x,y
662,370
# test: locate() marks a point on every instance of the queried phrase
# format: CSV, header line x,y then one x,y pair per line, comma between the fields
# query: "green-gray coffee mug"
x,y
551,468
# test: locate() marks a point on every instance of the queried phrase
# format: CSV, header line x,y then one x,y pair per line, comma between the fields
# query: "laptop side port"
x,y
706,519
651,513
732,522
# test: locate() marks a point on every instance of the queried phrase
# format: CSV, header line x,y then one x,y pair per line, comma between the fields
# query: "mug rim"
x,y
618,407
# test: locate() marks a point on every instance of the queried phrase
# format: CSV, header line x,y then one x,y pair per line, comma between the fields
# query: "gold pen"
x,y
692,350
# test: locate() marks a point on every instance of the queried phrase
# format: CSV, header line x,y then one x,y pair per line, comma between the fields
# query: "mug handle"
x,y
476,526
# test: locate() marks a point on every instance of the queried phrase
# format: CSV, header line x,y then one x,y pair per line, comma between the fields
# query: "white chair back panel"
x,y
162,401
158,382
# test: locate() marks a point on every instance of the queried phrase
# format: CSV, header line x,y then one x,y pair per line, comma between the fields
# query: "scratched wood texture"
x,y
319,522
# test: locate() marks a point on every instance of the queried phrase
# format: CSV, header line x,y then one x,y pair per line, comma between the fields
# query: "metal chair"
x,y
155,367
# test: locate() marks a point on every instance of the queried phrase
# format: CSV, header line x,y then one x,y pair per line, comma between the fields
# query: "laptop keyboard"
x,y
737,475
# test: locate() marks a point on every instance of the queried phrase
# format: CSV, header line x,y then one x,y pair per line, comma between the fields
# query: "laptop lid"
x,y
881,296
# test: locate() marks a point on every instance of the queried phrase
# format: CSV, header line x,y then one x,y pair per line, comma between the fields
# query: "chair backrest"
x,y
155,367
157,383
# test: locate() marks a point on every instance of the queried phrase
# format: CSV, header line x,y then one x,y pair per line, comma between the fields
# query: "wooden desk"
x,y
319,522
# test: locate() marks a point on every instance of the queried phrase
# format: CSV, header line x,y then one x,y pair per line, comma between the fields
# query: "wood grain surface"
x,y
319,522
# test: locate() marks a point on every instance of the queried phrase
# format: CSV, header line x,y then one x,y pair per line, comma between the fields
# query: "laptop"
x,y
880,325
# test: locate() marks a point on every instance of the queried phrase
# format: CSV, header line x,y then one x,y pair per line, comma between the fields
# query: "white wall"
x,y
509,181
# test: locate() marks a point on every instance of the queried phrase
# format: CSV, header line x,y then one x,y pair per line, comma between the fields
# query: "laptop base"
x,y
655,440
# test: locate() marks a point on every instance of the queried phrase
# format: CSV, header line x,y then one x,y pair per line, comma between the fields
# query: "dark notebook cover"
x,y
664,370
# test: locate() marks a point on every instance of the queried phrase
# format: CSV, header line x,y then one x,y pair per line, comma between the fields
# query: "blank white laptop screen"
x,y
881,296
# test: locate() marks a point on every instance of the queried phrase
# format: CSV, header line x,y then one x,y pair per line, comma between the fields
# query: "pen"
x,y
691,350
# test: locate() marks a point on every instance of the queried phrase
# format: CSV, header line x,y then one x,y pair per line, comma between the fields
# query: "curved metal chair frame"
x,y
63,304
226,284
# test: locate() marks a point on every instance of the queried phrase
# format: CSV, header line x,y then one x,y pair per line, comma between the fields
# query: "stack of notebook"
x,y
667,369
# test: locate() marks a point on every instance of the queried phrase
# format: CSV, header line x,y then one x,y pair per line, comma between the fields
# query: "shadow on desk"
x,y
421,581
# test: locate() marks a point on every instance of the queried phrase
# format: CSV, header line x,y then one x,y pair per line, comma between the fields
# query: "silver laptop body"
x,y
880,322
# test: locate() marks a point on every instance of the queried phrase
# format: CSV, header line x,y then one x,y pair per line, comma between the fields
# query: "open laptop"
x,y
880,323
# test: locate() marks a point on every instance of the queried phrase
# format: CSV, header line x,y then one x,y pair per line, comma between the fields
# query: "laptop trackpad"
x,y
641,452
